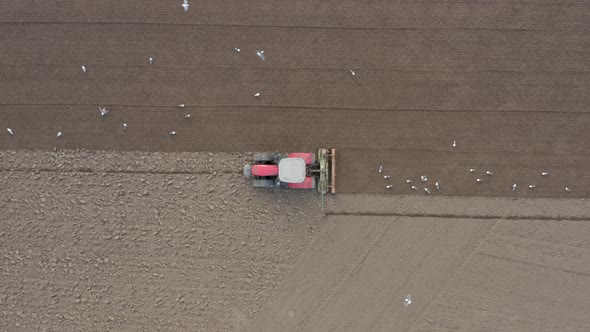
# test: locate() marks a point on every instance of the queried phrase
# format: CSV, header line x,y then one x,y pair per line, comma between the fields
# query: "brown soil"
x,y
461,274
173,238
136,241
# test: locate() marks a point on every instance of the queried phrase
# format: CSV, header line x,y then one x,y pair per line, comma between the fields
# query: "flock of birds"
x,y
260,53
424,179
103,111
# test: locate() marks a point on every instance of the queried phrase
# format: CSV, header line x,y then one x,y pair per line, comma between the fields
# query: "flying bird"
x,y
261,55
103,110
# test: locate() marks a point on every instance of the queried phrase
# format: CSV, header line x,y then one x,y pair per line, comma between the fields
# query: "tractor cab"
x,y
292,170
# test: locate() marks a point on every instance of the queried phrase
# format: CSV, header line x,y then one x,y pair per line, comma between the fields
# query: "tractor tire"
x,y
265,157
263,183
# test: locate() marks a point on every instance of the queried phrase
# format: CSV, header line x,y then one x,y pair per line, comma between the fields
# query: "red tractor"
x,y
299,170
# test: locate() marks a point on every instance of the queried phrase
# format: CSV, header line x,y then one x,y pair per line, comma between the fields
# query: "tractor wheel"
x,y
265,157
263,183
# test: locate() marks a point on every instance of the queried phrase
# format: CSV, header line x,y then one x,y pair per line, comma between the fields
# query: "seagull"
x,y
514,187
181,106
257,94
544,173
172,133
380,168
103,110
427,190
407,300
151,61
261,55
59,134
472,170
237,50
454,143
386,176
479,180
185,5
437,185
389,186
187,116
408,181
352,72
423,178
124,126
84,69
414,187
9,130
568,190
532,186
489,173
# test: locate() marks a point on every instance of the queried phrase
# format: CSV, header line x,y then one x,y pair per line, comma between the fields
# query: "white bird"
x,y
544,173
532,186
103,110
181,106
386,176
423,178
151,61
261,55
408,181
437,185
408,300
427,190
257,94
568,190
454,143
479,180
10,131
472,170
389,186
489,173
185,5
187,116
59,134
380,169
414,187
172,133
124,126
237,50
84,69
352,72
514,187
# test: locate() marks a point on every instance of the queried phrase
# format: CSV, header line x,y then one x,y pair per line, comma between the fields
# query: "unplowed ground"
x,y
177,240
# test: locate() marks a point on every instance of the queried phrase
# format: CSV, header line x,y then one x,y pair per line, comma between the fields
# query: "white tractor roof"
x,y
292,170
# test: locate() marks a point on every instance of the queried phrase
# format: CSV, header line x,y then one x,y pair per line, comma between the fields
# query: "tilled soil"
x,y
176,240
137,241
